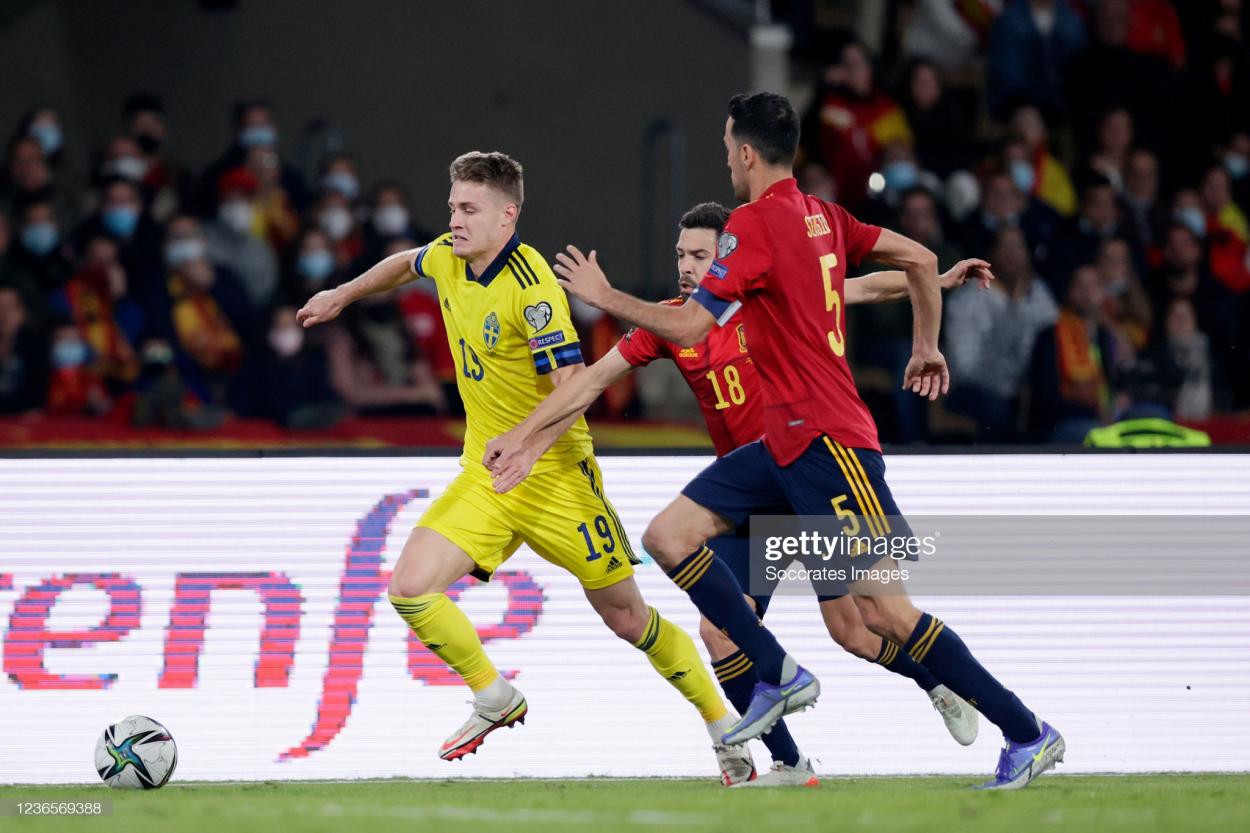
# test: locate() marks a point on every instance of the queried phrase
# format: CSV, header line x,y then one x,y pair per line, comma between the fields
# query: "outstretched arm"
x,y
926,373
510,456
384,275
686,325
885,287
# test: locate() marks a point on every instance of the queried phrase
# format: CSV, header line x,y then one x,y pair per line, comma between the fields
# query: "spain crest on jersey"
x,y
742,339
490,332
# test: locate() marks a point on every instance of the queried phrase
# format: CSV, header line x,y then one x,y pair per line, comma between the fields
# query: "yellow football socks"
x,y
672,653
447,632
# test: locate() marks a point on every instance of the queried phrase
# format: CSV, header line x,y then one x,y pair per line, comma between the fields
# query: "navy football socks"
x,y
737,679
894,659
939,649
715,592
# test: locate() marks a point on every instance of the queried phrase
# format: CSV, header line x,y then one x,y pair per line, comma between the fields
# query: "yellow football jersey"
x,y
507,328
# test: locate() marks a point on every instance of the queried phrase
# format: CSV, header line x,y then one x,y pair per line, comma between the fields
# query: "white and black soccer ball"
x,y
136,753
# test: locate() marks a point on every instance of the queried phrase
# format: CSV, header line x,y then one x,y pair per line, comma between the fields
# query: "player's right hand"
x,y
322,307
927,376
508,460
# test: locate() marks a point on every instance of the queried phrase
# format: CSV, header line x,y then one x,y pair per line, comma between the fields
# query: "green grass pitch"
x,y
1102,803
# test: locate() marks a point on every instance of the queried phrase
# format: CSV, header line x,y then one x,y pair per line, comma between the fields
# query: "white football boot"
x,y
782,775
736,764
960,718
481,723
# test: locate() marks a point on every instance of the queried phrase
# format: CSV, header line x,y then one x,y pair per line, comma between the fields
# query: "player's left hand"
x,y
972,269
927,376
581,275
509,461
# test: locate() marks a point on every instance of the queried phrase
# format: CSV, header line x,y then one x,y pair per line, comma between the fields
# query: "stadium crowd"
x,y
1098,153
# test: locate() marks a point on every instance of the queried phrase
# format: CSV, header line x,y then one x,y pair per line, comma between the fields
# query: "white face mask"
x,y
391,220
335,222
287,341
237,215
129,167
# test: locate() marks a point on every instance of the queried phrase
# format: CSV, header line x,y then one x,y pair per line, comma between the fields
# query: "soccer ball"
x,y
136,753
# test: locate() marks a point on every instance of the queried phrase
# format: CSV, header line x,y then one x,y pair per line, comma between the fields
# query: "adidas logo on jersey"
x,y
688,353
613,564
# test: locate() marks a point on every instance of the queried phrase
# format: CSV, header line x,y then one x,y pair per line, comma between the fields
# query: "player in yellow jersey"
x,y
510,333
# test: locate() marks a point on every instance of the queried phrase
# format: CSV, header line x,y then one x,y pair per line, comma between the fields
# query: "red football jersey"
x,y
784,256
720,372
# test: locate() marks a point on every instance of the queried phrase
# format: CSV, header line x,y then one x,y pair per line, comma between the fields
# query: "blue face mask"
x,y
40,238
900,175
315,266
343,183
48,135
120,220
70,354
185,250
1193,219
1236,165
1023,176
258,135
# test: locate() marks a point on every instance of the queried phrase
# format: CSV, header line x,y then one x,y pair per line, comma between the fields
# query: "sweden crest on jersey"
x,y
490,332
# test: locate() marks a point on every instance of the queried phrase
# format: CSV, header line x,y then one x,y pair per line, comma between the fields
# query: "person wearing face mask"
x,y
290,381
1236,159
76,386
310,267
338,174
1034,169
24,355
333,216
94,299
35,261
203,312
121,216
389,219
253,126
233,242
167,183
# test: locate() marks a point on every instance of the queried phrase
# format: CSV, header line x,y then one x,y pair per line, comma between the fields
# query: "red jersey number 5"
x,y
833,303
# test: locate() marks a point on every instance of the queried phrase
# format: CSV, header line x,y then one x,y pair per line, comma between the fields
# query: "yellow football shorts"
x,y
563,515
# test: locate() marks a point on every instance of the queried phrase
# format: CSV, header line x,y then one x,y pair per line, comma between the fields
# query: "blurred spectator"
x,y
1185,275
233,238
290,382
1031,43
76,387
94,300
276,221
167,184
935,119
1034,169
1236,158
1142,208
1154,29
24,366
1125,303
390,218
1227,232
1005,206
254,126
163,399
1216,103
1070,377
203,313
374,366
900,173
43,124
1186,348
123,159
35,261
26,172
918,218
312,268
332,214
423,318
1115,141
339,174
950,33
850,121
1108,75
121,217
989,336
1097,220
